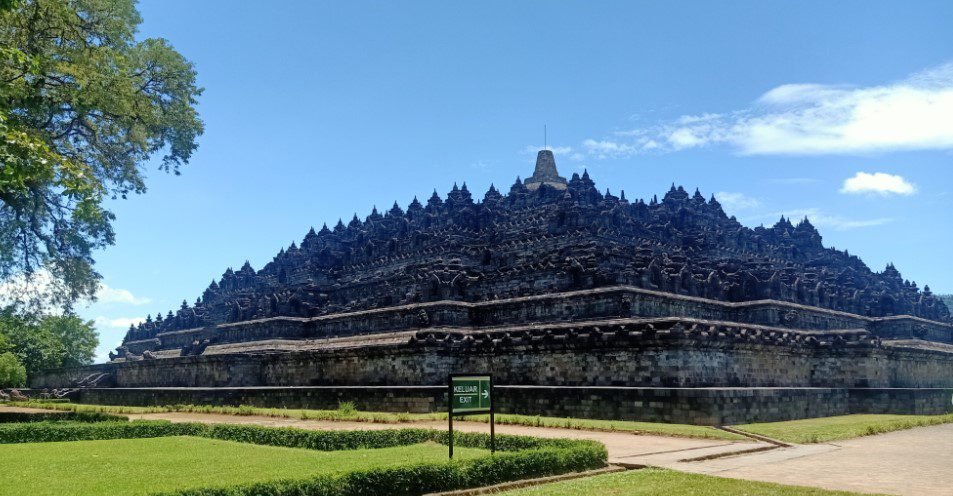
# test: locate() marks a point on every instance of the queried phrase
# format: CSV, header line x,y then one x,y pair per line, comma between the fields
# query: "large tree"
x,y
83,108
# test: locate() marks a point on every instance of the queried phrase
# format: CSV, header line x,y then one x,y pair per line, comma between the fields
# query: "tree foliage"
x,y
83,107
48,342
12,372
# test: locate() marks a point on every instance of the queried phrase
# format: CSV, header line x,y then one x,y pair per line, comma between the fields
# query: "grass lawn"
x,y
142,466
819,430
660,429
667,482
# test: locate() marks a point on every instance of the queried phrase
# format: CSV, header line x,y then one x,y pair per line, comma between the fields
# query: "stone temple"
x,y
581,303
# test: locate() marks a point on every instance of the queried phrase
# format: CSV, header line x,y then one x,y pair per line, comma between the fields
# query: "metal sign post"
x,y
469,394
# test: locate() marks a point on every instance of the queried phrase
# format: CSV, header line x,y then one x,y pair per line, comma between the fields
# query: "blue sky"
x,y
842,111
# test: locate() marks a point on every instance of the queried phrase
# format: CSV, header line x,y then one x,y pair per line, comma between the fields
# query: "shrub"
x,y
421,478
12,372
88,426
45,432
10,417
426,477
347,408
521,457
290,437
322,485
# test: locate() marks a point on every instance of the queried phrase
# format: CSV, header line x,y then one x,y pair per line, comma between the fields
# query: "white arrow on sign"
x,y
486,394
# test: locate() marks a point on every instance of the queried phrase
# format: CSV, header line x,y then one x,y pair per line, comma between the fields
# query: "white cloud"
x,y
607,149
107,294
118,323
820,219
42,281
878,182
698,119
689,137
811,119
736,201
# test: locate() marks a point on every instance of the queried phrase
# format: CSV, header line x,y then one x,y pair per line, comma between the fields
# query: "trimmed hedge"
x,y
289,437
519,457
425,478
46,432
11,417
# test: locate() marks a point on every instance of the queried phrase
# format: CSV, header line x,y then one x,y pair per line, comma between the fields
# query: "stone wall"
x,y
73,376
905,326
673,369
419,399
621,301
700,406
576,356
906,401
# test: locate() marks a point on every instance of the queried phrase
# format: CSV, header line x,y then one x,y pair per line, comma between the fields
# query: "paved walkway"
x,y
912,462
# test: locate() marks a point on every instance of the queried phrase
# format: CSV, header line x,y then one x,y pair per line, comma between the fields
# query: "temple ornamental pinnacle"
x,y
581,303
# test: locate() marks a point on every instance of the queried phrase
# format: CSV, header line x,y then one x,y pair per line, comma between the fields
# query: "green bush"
x,y
322,485
519,457
45,432
424,478
347,408
84,426
245,410
12,372
11,417
290,437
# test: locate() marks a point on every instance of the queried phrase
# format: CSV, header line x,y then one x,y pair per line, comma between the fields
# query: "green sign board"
x,y
470,394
